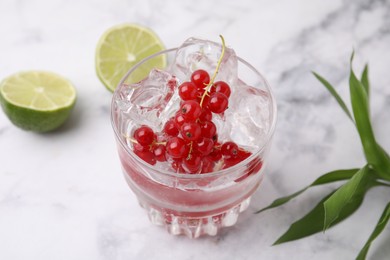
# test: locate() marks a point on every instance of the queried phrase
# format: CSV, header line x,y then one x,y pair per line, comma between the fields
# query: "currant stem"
x,y
208,87
130,139
189,153
136,142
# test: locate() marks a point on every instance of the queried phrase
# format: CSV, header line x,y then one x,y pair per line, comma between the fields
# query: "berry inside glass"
x,y
193,137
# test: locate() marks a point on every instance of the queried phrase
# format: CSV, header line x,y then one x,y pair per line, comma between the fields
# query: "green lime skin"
x,y
35,120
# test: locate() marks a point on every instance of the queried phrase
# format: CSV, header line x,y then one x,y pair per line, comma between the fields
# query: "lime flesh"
x,y
39,101
123,46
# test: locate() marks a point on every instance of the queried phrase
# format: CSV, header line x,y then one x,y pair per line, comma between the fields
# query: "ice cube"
x,y
196,54
249,109
150,101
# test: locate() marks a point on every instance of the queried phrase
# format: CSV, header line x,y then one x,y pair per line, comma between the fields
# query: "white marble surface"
x,y
62,195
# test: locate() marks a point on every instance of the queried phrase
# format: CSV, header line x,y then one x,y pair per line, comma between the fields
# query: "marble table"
x,y
62,194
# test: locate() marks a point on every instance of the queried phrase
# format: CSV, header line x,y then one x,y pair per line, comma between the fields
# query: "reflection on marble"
x,y
62,195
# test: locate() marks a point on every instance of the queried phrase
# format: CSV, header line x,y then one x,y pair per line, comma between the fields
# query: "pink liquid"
x,y
199,202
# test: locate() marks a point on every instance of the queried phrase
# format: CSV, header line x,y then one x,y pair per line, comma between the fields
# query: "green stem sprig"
x,y
208,87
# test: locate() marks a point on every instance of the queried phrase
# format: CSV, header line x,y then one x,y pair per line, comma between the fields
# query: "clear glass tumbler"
x,y
192,204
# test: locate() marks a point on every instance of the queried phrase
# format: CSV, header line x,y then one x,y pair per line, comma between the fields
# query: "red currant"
x,y
215,138
159,153
209,129
144,135
200,78
170,128
179,120
190,131
204,146
230,161
140,148
147,156
177,166
207,165
218,102
221,87
215,154
188,91
193,163
229,149
206,115
191,110
176,147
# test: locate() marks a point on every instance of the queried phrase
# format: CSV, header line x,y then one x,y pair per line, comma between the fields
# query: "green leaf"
x,y
374,154
334,93
365,81
382,183
355,187
329,177
378,229
312,222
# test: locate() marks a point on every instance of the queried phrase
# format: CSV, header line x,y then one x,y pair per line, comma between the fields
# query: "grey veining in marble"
x,y
62,195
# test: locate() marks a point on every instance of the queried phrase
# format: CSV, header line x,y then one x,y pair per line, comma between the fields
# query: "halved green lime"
x,y
121,47
39,101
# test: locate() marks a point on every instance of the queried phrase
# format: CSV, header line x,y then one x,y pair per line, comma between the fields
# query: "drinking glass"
x,y
192,204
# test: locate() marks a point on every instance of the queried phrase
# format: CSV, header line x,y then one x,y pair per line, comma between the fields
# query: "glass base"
x,y
194,227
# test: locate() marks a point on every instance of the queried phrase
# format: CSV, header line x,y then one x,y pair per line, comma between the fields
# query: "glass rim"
x,y
218,173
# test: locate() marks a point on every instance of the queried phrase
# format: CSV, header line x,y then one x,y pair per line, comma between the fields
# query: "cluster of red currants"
x,y
189,141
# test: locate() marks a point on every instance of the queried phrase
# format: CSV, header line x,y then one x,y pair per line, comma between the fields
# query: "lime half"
x,y
121,47
39,101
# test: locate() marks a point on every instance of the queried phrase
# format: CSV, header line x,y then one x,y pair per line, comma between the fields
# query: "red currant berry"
x,y
176,147
231,161
209,129
170,128
177,166
144,135
200,78
206,115
243,154
188,91
218,103
193,163
204,146
229,149
216,154
159,153
221,87
147,156
141,148
190,131
179,120
207,165
191,110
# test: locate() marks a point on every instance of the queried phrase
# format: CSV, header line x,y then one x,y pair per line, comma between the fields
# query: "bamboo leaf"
x,y
373,152
333,176
329,177
365,81
334,93
378,229
312,222
335,204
